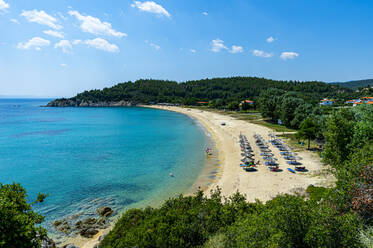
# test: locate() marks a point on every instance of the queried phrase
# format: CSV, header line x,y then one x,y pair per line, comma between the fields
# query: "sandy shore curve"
x,y
261,185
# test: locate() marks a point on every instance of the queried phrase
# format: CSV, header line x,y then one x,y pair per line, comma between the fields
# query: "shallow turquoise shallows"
x,y
91,157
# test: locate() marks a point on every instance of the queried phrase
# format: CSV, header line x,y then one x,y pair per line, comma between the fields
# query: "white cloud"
x,y
270,39
289,55
192,50
63,65
151,7
100,44
4,5
77,42
94,25
62,16
65,45
236,49
155,46
217,45
205,13
35,42
54,33
260,53
14,21
41,17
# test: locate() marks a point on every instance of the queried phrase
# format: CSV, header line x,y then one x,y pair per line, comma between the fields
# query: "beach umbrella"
x,y
268,158
247,154
266,154
265,150
289,157
247,160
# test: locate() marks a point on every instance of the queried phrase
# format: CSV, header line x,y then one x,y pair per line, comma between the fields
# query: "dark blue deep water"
x,y
90,157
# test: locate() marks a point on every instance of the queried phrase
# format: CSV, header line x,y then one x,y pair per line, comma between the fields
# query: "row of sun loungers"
x,y
248,162
287,153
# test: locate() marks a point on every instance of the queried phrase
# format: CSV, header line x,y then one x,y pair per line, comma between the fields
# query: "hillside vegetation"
x,y
356,84
219,92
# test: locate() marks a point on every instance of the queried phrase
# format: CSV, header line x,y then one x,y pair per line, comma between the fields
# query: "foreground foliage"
x,y
18,223
193,221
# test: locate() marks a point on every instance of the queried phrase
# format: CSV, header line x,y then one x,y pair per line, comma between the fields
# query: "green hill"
x,y
218,92
356,84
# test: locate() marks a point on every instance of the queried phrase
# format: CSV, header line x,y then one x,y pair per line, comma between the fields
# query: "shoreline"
x,y
262,185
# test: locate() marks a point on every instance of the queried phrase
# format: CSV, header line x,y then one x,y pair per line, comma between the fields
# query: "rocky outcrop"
x,y
47,243
105,211
84,103
86,227
88,233
71,246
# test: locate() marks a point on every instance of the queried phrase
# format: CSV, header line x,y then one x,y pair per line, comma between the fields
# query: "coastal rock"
x,y
84,103
101,237
63,227
88,233
105,211
57,223
70,246
89,221
47,243
101,223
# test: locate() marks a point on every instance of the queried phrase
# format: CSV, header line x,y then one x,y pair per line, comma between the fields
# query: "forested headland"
x,y
218,92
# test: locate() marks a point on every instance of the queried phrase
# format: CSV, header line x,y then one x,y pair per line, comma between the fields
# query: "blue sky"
x,y
62,47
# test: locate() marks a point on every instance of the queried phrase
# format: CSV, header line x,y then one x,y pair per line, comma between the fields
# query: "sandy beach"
x,y
262,184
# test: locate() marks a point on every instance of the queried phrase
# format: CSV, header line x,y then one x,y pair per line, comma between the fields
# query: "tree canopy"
x,y
219,91
19,225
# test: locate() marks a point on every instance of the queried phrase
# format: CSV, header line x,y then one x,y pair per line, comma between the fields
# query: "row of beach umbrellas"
x,y
265,152
247,154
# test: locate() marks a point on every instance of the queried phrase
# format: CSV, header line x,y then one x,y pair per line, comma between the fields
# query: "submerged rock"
x,y
57,223
64,227
89,221
70,246
88,233
105,211
47,243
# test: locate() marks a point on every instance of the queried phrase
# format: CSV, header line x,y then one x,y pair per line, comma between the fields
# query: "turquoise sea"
x,y
91,157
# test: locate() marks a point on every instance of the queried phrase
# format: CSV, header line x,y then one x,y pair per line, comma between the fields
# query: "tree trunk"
x,y
309,143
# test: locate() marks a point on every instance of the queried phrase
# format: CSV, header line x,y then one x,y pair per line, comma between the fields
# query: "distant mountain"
x,y
355,84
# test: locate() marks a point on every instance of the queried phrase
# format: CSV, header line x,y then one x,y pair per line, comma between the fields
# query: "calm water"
x,y
90,157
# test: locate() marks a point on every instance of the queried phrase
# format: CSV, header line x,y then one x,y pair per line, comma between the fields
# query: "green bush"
x,y
19,225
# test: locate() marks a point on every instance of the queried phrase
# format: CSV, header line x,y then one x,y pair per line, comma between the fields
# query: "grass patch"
x,y
317,193
293,142
276,127
252,116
